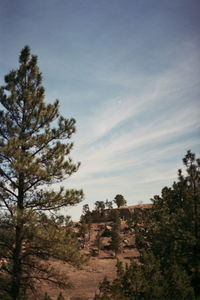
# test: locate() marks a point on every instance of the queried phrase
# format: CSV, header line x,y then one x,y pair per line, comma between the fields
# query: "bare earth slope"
x,y
86,280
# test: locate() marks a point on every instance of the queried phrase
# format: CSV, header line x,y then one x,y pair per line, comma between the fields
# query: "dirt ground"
x,y
86,280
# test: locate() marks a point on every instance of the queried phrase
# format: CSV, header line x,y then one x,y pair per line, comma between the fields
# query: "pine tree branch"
x,y
3,135
32,185
2,173
15,119
7,190
58,136
5,157
43,273
42,124
39,206
6,204
53,207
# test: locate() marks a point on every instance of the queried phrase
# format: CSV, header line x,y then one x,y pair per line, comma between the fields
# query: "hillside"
x,y
102,262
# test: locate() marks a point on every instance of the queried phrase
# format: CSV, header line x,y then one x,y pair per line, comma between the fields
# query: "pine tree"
x,y
119,200
168,240
34,154
86,218
47,297
104,290
116,240
100,208
98,241
108,205
83,231
171,232
60,297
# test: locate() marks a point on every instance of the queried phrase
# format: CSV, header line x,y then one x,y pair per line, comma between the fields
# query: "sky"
x,y
128,71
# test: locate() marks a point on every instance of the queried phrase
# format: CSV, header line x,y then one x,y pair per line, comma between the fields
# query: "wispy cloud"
x,y
139,141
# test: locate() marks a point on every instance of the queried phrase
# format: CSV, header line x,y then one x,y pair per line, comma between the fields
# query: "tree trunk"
x,y
16,274
17,270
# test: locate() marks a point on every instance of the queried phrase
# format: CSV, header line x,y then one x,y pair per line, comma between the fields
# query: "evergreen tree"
x,y
116,240
171,229
34,153
86,219
100,208
98,241
60,297
104,290
46,297
168,240
83,231
119,200
86,209
108,204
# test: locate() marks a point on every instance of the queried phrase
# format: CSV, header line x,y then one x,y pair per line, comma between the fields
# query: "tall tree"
x,y
34,153
171,229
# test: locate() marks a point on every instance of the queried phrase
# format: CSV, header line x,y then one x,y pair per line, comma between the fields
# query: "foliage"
x,y
47,297
108,204
168,240
83,231
101,212
60,297
100,208
34,154
86,209
171,230
104,290
116,240
119,200
98,241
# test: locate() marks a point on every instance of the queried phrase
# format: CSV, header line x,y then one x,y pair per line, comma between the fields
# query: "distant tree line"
x,y
103,210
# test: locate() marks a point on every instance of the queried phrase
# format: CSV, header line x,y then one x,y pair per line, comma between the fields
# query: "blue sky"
x,y
129,72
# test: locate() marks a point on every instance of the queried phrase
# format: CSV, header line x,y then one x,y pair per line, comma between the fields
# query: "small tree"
x,y
116,240
47,297
100,208
34,154
86,220
119,200
83,231
104,290
86,209
98,241
60,297
108,204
